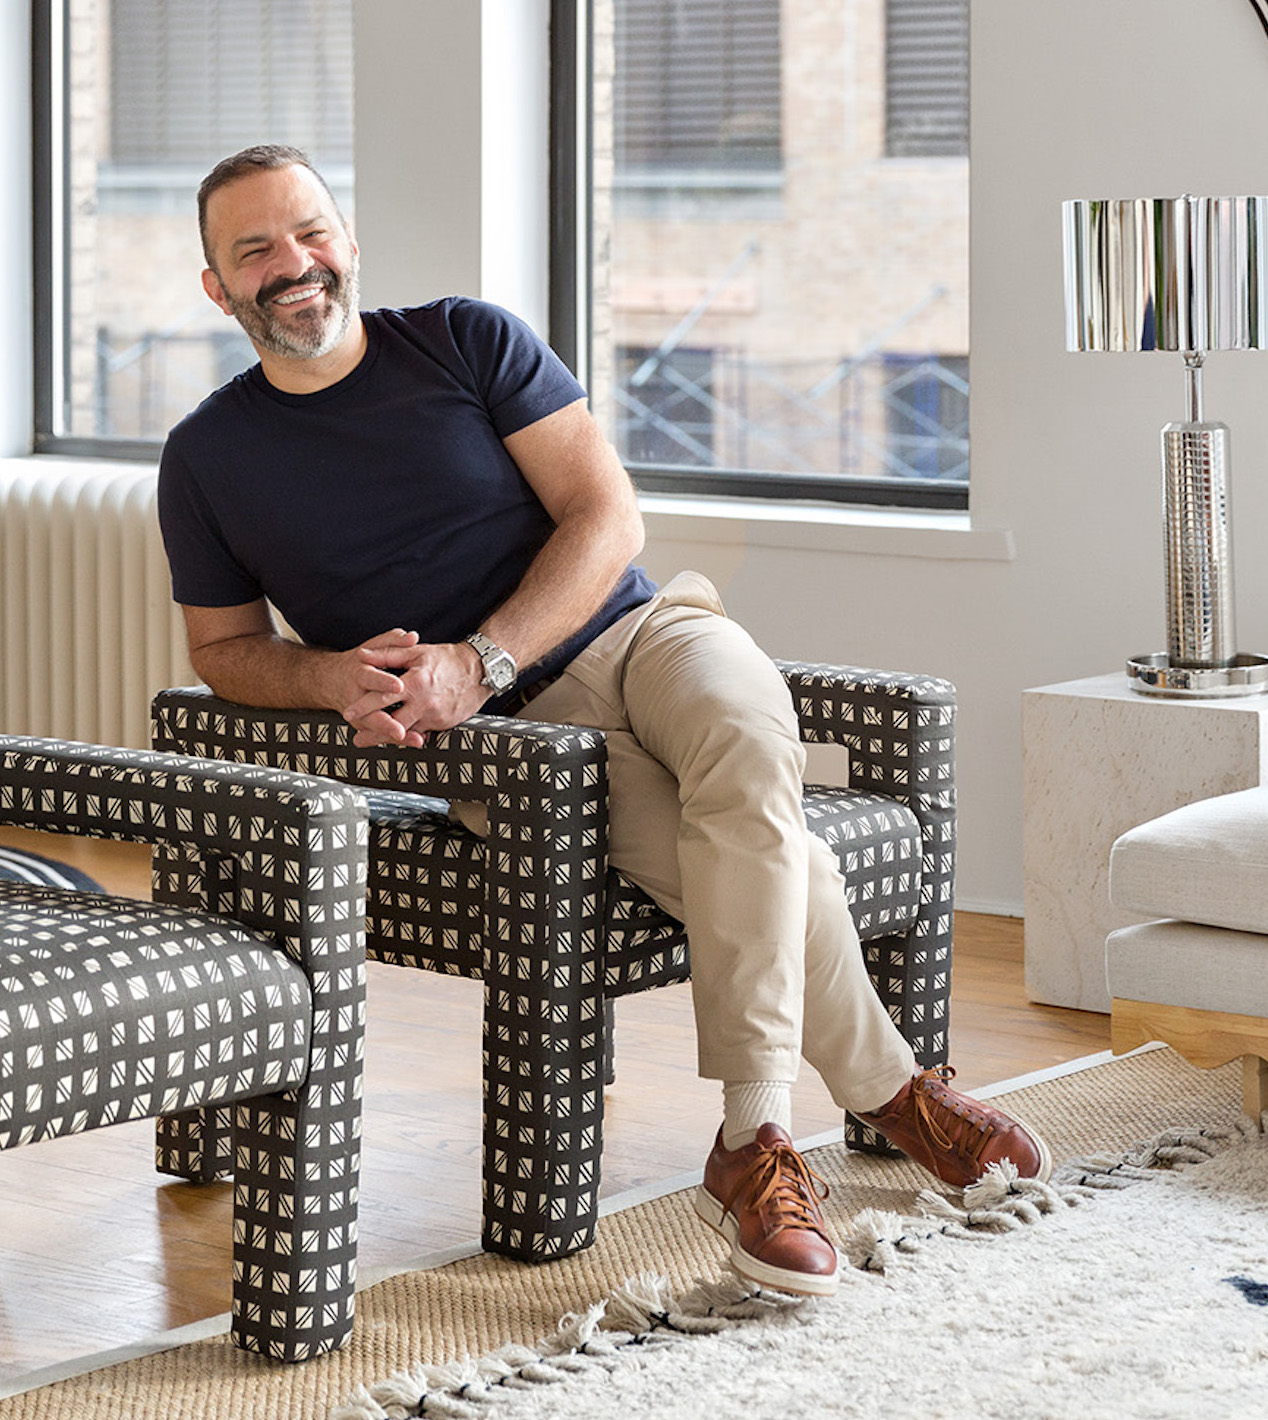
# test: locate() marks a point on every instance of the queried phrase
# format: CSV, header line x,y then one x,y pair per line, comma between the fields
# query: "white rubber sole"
x,y
752,1269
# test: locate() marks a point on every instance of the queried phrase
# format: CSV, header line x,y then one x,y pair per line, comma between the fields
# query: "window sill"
x,y
822,527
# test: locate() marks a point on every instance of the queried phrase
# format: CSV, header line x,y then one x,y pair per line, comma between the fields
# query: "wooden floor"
x,y
97,1251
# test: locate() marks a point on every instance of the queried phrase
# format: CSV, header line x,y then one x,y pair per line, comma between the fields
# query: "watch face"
x,y
499,671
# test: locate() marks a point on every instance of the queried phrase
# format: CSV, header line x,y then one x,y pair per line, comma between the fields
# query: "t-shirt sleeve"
x,y
204,571
519,376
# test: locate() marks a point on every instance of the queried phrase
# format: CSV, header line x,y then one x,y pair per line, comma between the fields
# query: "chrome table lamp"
x,y
1187,274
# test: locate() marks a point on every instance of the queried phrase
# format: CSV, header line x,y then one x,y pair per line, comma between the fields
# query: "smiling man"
x,y
426,498
307,264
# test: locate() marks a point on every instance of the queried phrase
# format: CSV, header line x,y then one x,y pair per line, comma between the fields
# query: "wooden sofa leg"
x,y
1255,1088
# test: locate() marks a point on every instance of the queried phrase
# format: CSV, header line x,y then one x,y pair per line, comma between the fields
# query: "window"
x,y
778,307
140,98
926,78
697,88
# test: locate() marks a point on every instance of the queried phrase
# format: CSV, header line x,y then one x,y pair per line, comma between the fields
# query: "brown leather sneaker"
x,y
763,1199
954,1136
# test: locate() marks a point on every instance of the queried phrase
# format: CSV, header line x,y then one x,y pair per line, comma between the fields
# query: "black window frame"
x,y
570,272
50,83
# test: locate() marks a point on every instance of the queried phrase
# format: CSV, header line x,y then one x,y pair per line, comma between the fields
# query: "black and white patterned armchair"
x,y
535,912
249,992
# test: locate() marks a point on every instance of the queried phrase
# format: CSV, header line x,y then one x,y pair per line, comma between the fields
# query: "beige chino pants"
x,y
705,769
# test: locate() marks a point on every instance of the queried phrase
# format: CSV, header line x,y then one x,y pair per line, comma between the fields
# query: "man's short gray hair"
x,y
260,158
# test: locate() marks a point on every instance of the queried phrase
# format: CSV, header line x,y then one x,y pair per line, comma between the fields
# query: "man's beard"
x,y
308,333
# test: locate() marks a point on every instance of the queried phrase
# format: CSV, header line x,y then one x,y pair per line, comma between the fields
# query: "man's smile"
x,y
296,291
304,293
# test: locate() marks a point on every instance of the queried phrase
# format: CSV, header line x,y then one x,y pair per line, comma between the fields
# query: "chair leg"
x,y
543,1120
912,976
196,1144
294,1224
1255,1088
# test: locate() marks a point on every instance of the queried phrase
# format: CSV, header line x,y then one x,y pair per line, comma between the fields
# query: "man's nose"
x,y
291,258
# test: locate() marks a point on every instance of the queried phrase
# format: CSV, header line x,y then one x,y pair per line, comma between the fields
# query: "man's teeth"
x,y
301,295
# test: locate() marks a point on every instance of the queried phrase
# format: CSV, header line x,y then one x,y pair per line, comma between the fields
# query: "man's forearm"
x,y
579,479
567,582
272,672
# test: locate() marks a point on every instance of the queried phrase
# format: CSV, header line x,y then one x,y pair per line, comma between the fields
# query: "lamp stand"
x,y
1201,659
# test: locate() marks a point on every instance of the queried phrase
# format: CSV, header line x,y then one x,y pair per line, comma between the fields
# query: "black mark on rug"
x,y
1256,1293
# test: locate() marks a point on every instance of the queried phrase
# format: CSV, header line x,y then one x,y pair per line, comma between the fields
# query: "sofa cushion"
x,y
1186,964
1205,862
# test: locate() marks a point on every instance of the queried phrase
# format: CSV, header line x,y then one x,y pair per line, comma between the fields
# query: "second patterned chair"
x,y
249,994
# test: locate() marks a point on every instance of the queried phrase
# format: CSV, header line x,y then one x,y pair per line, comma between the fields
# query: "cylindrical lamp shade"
x,y
1166,273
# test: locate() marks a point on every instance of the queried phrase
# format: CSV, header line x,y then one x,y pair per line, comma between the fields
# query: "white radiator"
x,y
88,630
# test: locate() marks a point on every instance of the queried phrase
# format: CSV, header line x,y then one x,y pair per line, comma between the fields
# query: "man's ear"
x,y
212,286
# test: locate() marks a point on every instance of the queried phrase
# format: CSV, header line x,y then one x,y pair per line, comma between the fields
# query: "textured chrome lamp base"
x,y
1155,675
1200,662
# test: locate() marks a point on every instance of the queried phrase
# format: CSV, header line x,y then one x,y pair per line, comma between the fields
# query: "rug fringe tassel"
x,y
644,1313
640,1314
1002,1201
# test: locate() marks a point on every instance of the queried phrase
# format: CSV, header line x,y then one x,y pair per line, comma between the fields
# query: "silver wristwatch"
x,y
500,669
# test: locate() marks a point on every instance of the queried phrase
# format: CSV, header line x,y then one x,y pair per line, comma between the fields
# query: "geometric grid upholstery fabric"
x,y
112,1010
534,911
249,990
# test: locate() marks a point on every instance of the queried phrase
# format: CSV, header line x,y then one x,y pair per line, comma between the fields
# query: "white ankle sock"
x,y
748,1104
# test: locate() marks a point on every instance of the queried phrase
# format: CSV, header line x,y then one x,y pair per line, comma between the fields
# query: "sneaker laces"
x,y
946,1118
779,1178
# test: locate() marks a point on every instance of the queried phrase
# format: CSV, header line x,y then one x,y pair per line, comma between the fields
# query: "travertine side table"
x,y
1100,758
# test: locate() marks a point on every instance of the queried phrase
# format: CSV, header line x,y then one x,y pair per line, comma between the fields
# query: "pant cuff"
x,y
779,1066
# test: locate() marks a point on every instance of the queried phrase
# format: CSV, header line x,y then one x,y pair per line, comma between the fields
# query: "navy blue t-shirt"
x,y
387,499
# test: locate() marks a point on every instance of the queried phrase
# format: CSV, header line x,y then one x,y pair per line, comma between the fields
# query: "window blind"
x,y
194,80
926,78
698,83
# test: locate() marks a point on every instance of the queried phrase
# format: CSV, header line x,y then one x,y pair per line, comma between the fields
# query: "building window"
x,y
697,88
774,308
138,100
926,78
927,416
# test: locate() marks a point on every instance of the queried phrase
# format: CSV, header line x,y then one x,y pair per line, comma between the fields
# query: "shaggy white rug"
x,y
1132,1293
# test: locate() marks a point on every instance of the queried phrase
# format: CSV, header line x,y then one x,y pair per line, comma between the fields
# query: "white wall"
x,y
452,151
15,228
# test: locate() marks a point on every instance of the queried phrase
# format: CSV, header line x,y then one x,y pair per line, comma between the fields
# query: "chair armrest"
x,y
899,729
283,853
486,758
545,787
900,733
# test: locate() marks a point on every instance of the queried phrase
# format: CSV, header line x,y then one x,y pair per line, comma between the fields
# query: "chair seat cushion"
x,y
113,1009
1206,862
424,904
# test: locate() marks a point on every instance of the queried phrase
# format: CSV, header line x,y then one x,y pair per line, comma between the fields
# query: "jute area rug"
x,y
1136,1287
